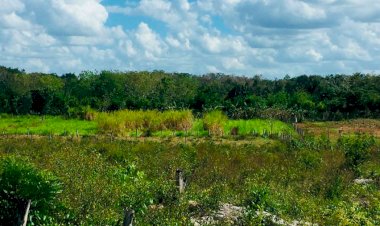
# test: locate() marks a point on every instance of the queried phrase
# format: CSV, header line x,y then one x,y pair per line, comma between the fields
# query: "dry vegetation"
x,y
349,127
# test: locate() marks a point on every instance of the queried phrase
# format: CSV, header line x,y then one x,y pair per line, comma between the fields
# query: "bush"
x,y
309,159
356,149
20,182
258,198
83,112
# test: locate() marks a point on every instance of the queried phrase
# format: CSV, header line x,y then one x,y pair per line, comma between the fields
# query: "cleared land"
x,y
333,129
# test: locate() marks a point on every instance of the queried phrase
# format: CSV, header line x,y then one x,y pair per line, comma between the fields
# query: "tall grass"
x,y
127,122
257,126
136,123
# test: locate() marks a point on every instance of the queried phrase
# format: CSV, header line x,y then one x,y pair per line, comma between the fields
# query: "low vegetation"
x,y
82,150
93,180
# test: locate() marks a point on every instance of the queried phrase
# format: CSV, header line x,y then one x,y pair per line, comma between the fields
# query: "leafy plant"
x,y
259,198
20,181
357,149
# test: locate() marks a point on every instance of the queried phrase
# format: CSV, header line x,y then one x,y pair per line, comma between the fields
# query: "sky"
x,y
272,38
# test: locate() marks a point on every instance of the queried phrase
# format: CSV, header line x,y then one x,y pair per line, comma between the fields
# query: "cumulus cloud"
x,y
149,41
270,37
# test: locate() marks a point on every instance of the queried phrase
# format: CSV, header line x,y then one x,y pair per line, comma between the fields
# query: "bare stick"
x,y
26,213
180,181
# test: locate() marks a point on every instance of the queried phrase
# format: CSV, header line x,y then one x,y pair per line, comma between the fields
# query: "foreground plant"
x,y
20,182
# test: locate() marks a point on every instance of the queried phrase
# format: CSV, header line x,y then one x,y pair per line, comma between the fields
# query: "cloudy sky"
x,y
242,37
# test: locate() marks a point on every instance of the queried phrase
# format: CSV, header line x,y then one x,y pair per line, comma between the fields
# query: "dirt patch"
x,y
334,129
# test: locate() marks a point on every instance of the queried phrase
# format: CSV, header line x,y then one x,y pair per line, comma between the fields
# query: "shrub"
x,y
356,149
335,187
83,112
258,198
20,182
309,159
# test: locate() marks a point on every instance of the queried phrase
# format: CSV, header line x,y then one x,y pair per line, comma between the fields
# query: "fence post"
x,y
77,133
180,181
128,217
26,213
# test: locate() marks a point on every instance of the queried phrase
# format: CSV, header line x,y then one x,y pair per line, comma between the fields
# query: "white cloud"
x,y
316,56
270,37
149,41
9,6
232,63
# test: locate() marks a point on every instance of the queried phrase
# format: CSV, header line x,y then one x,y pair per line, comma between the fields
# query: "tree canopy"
x,y
314,97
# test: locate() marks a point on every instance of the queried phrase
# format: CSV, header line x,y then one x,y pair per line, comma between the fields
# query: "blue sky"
x,y
241,37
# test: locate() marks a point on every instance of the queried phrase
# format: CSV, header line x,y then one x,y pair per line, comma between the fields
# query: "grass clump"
x,y
214,122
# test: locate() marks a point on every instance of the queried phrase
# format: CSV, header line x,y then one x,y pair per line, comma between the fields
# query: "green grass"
x,y
54,125
58,125
258,126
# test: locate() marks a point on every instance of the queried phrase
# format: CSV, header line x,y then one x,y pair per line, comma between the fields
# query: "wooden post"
x,y
340,132
328,134
26,213
77,133
180,181
128,217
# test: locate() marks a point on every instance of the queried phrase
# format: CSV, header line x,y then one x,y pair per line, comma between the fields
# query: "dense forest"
x,y
314,97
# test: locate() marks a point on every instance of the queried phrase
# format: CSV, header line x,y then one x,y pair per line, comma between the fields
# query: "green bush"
x,y
309,159
19,182
259,198
335,187
357,149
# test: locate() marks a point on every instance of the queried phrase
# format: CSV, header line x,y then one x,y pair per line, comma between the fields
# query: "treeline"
x,y
332,97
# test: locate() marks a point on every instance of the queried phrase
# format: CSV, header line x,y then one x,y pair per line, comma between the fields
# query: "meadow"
x,y
45,125
90,179
310,180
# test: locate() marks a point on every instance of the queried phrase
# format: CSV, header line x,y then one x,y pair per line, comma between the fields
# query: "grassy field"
x,y
306,180
57,125
46,125
313,179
